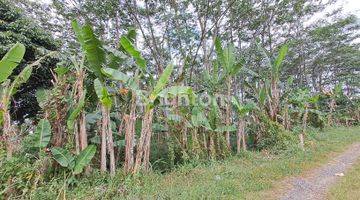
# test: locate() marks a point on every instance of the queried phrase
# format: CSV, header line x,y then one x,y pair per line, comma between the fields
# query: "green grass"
x,y
348,188
251,175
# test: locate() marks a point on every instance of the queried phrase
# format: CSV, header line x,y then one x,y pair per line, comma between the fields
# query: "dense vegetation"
x,y
125,87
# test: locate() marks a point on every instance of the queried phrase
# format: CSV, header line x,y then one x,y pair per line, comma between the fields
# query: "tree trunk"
x,y
212,149
195,142
228,113
110,144
76,136
275,99
286,118
103,139
82,119
301,138
82,131
143,149
130,137
332,109
304,124
204,140
241,135
8,133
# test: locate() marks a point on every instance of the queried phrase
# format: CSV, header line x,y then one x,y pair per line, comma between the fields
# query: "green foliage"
x,y
75,113
243,109
63,157
74,163
22,175
78,32
262,96
17,27
11,60
115,75
132,51
203,124
92,48
338,90
102,93
222,129
175,91
42,134
161,83
22,78
42,96
84,158
245,176
198,118
226,58
274,137
279,60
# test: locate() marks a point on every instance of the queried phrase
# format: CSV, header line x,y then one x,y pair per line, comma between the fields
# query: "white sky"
x,y
350,6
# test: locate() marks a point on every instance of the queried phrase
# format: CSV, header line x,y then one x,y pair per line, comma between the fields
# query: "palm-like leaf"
x,y
92,48
63,157
75,113
42,134
84,158
115,75
243,109
20,79
131,50
163,80
178,91
102,93
226,58
279,59
11,59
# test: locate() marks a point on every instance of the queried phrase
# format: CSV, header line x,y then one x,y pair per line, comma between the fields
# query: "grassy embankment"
x,y
250,175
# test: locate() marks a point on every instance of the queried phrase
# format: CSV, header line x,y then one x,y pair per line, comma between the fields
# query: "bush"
x,y
20,175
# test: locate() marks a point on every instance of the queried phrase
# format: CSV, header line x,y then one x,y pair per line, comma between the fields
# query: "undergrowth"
x,y
247,174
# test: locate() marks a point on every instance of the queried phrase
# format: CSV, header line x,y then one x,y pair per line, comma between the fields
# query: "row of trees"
x,y
186,95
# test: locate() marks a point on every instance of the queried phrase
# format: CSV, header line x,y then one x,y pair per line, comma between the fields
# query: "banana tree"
x,y
226,59
149,100
127,52
334,95
243,111
143,147
286,121
76,122
8,88
272,82
208,117
197,121
96,58
303,100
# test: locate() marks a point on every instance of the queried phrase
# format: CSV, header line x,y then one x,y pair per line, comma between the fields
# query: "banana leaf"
x,y
163,80
75,113
63,157
11,60
131,50
42,134
84,158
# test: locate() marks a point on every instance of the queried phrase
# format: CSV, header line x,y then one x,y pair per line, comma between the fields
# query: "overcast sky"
x,y
350,6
